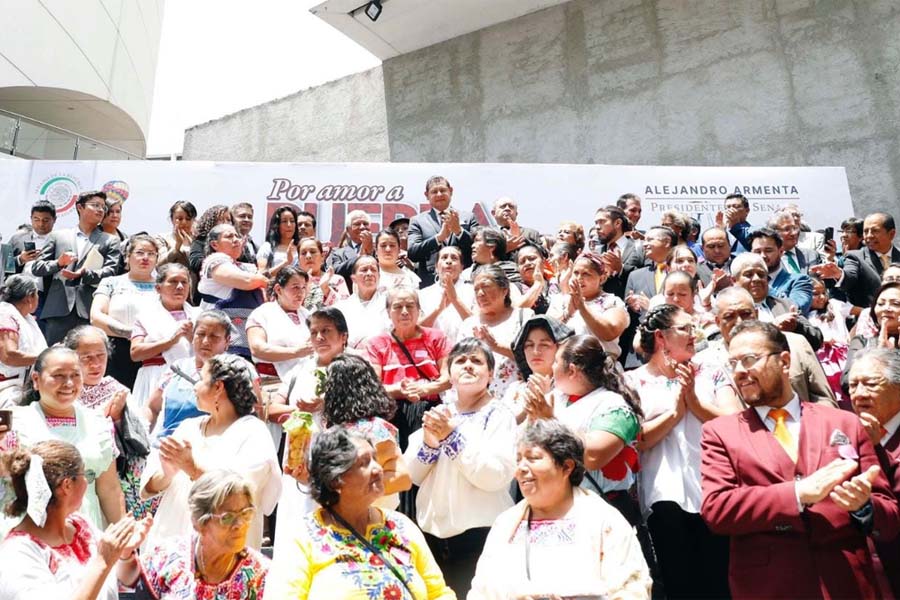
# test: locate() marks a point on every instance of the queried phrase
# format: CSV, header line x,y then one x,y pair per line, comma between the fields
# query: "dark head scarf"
x,y
558,331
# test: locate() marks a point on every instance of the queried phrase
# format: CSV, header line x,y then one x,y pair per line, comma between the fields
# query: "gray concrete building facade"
x,y
646,82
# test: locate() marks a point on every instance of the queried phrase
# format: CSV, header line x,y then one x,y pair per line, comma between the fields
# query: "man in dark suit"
x,y
621,255
796,260
26,245
630,204
242,215
63,261
796,485
860,276
506,214
643,283
750,272
439,226
717,255
358,240
798,288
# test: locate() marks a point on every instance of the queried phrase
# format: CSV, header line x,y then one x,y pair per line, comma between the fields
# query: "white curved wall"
x,y
86,65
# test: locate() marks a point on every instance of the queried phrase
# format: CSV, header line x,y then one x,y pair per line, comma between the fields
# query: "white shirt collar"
x,y
793,408
891,428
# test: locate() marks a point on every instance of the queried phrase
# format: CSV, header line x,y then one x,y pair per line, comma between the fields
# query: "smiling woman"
x,y
348,548
558,528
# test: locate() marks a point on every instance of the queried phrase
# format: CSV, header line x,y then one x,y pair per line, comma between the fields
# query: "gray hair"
x,y
744,261
17,288
560,442
730,294
498,276
75,336
212,489
355,214
215,233
333,454
678,218
238,377
888,358
394,292
780,217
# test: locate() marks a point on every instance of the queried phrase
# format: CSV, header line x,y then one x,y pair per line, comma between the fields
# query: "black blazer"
x,y
862,275
632,258
423,247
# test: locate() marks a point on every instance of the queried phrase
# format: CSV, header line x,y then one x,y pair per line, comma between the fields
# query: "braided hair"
x,y
600,369
238,377
658,318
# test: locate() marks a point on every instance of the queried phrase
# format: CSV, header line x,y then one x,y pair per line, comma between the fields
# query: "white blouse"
x,y
281,330
464,483
365,319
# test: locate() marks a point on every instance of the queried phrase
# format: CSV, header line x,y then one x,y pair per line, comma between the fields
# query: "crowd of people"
x,y
612,410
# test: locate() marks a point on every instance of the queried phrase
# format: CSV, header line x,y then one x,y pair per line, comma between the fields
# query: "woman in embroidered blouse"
x,y
463,461
162,332
21,339
118,301
280,248
393,563
578,546
103,394
213,561
590,396
587,309
54,552
52,412
496,322
693,561
231,436
387,251
325,288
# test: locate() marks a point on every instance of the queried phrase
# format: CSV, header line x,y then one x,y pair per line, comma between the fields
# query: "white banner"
x,y
546,194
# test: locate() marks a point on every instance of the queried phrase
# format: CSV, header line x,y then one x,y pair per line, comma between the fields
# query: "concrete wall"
x,y
341,121
671,82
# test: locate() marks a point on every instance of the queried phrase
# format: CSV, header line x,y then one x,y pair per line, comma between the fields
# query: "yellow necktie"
x,y
781,432
659,276
885,262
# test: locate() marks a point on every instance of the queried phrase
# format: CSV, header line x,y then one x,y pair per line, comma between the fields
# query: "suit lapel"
x,y
808,449
770,453
873,259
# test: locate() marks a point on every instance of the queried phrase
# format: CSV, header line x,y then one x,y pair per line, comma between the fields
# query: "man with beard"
x,y
621,255
796,287
796,485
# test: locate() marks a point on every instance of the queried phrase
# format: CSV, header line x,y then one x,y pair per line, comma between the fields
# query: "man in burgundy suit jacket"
x,y
798,491
875,393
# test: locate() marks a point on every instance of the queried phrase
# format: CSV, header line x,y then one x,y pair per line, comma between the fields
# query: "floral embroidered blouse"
x,y
168,573
332,563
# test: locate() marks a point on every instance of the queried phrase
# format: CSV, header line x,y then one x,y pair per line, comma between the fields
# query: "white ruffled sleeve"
x,y
488,459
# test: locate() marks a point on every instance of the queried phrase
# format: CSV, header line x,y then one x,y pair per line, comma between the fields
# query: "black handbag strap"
x,y
390,564
409,357
594,483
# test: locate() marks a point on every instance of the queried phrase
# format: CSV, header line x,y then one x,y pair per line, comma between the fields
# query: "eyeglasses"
x,y
687,328
747,361
231,519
